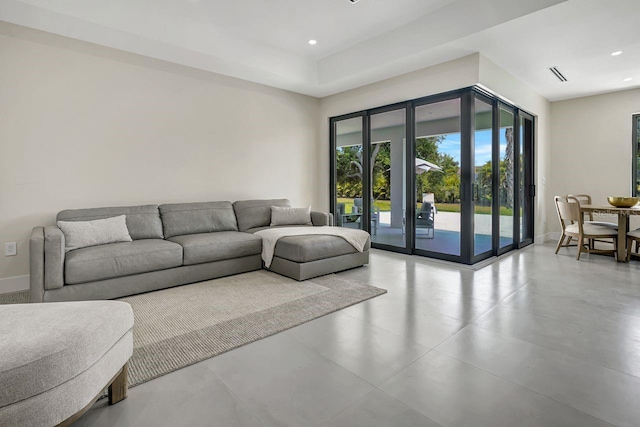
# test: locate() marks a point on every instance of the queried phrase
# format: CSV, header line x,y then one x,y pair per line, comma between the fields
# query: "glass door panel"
x,y
506,181
438,152
483,177
388,152
525,187
349,173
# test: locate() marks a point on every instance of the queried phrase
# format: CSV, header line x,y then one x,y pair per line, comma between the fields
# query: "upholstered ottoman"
x,y
57,358
305,257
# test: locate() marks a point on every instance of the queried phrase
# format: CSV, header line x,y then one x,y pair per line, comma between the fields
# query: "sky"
x,y
451,146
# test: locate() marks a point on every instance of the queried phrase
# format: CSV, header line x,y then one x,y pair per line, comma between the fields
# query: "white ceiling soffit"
x,y
265,41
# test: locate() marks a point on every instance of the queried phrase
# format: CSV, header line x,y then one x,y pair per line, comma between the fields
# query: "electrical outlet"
x,y
11,249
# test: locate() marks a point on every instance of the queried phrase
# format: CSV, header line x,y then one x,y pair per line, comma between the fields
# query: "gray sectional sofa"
x,y
176,244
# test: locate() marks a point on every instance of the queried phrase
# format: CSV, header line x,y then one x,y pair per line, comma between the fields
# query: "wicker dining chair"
x,y
574,227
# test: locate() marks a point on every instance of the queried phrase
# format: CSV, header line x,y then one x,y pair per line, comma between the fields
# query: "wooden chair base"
x,y
630,252
117,391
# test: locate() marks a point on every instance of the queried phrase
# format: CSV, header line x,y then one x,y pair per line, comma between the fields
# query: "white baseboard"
x,y
541,239
14,284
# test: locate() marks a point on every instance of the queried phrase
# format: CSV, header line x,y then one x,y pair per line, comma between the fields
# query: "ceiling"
x,y
265,41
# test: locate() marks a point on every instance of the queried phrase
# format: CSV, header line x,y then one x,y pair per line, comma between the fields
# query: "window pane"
x,y
388,177
507,193
349,173
637,153
437,168
483,167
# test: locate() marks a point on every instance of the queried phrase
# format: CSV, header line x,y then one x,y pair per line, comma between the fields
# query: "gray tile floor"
x,y
535,339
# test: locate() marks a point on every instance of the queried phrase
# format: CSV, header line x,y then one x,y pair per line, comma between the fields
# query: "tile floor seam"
x,y
555,350
586,304
415,342
348,407
401,370
407,406
474,298
573,322
231,392
524,388
428,349
329,360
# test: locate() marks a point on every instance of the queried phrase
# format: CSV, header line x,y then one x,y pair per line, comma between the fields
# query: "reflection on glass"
x,y
507,193
521,190
349,173
388,177
637,142
483,197
437,168
526,213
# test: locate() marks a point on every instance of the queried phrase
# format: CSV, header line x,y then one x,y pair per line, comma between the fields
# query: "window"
x,y
448,176
635,185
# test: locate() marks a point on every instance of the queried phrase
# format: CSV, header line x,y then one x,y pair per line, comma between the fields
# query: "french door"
x,y
448,176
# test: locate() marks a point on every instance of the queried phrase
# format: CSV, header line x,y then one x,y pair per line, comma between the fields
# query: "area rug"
x,y
180,326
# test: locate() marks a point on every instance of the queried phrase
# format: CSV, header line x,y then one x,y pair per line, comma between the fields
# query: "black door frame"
x,y
467,97
529,188
635,120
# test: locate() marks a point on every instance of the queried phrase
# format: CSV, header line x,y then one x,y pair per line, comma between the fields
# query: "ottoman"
x,y
57,358
305,257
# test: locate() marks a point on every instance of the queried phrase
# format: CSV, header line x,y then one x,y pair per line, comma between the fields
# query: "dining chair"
x,y
585,199
633,236
574,227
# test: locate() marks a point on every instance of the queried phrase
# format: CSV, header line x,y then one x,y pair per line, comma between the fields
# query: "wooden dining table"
x,y
623,223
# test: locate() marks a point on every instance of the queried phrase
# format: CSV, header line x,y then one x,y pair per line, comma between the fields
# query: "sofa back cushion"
x,y
143,222
256,213
190,218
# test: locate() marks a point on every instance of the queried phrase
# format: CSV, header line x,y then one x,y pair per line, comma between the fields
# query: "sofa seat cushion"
x,y
267,227
312,248
45,345
209,247
120,259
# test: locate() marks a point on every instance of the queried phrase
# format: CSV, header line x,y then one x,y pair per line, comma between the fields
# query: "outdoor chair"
x,y
425,218
375,213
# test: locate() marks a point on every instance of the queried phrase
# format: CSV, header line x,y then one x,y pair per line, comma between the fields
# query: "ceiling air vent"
x,y
354,1
558,74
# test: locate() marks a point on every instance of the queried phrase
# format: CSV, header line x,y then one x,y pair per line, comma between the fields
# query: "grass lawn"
x,y
385,206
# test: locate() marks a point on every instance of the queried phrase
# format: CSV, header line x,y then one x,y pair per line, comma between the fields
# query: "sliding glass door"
x,y
526,188
438,151
506,170
388,172
483,176
448,176
349,172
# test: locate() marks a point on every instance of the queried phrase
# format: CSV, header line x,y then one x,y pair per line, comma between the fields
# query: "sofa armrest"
x,y
321,218
53,257
36,264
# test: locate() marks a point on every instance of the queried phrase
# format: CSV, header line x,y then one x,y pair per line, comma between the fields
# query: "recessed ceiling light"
x,y
628,79
312,42
616,53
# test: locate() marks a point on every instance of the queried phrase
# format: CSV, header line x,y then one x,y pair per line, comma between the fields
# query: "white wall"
x,y
86,126
592,147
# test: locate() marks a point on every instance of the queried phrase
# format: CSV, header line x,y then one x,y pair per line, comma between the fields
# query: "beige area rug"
x,y
180,326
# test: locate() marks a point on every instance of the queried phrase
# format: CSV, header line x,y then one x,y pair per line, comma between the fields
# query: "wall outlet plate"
x,y
11,249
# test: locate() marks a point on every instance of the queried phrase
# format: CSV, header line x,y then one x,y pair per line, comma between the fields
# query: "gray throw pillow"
x,y
290,216
80,234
